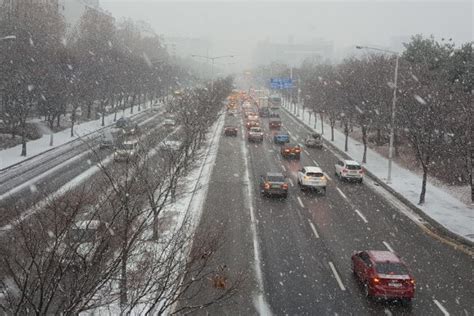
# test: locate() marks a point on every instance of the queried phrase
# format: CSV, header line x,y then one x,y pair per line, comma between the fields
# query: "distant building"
x,y
292,53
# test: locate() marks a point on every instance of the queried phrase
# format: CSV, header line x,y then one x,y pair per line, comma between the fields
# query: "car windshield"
x,y
390,268
315,174
276,179
353,167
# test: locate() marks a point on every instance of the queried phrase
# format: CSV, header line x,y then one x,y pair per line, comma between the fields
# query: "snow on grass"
x,y
440,204
12,156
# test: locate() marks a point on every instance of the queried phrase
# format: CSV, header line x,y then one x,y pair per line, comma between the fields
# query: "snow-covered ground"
x,y
440,205
187,208
12,155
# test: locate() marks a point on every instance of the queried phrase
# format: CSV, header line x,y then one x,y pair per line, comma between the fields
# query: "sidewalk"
x,y
440,206
11,156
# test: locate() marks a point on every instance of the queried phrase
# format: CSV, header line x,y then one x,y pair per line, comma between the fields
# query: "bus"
x,y
274,101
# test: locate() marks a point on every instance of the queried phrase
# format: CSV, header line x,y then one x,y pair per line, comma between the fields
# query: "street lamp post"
x,y
394,103
212,59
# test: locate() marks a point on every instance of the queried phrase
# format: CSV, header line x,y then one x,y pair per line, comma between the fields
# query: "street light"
x,y
212,65
394,102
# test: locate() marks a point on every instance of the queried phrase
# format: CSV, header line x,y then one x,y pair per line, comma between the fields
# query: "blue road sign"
x,y
281,83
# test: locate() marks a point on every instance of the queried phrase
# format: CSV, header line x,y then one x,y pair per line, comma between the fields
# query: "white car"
x,y
312,177
349,170
169,122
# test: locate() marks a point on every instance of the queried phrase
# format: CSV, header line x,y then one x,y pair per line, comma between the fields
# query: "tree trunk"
x,y
315,119
123,280
133,103
364,141
423,185
321,115
89,109
23,139
333,123
73,120
58,122
346,133
379,136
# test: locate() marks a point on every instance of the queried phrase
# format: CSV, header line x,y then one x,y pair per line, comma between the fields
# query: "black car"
x,y
273,183
274,115
230,131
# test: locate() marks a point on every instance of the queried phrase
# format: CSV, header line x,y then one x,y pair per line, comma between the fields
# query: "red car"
x,y
383,275
290,151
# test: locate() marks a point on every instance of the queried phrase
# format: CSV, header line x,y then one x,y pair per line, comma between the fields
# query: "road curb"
x,y
430,222
64,144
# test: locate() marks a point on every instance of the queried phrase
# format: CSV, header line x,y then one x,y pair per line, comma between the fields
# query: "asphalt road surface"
x,y
296,253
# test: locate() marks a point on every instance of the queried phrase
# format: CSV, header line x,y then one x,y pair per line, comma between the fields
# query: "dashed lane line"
x,y
388,246
291,182
336,275
284,168
361,216
300,202
441,307
315,232
341,193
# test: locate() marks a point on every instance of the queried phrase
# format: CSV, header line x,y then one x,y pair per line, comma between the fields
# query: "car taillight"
x,y
344,170
297,150
287,150
375,280
284,186
267,185
361,170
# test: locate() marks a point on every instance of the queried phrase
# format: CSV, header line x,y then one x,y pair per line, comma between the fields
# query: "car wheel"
x,y
285,196
323,191
361,180
406,301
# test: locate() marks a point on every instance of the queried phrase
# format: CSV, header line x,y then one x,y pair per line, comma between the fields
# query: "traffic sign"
x,y
281,83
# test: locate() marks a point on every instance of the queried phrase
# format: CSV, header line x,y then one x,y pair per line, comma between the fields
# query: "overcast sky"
x,y
236,26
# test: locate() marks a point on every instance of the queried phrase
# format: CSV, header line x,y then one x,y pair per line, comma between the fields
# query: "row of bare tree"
x,y
114,245
434,110
98,67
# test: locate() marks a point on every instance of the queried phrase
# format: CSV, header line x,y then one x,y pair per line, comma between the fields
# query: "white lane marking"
x,y
362,216
315,162
388,246
313,229
387,312
441,307
305,151
299,201
289,133
327,176
336,275
341,193
260,303
284,169
291,182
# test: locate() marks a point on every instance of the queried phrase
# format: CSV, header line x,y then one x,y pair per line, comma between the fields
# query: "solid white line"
x,y
315,162
313,229
361,216
284,169
341,193
388,246
441,307
291,182
299,201
260,304
305,151
336,275
327,176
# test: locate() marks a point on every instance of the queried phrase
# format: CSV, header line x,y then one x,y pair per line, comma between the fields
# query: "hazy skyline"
x,y
235,27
